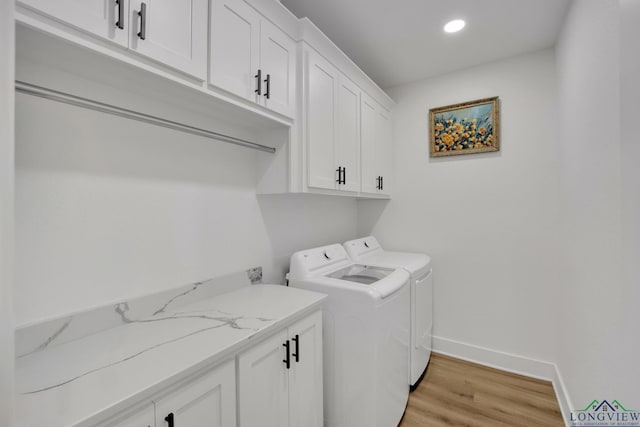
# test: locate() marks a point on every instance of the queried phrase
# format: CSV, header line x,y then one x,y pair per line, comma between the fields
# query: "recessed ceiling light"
x,y
454,26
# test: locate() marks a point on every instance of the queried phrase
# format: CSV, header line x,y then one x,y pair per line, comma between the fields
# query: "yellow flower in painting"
x,y
490,138
439,127
474,120
479,145
458,128
447,139
450,121
482,130
473,139
458,147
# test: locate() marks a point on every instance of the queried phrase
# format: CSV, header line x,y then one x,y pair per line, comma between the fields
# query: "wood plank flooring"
x,y
458,393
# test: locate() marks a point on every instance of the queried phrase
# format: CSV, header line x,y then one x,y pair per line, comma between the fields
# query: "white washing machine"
x,y
368,251
366,336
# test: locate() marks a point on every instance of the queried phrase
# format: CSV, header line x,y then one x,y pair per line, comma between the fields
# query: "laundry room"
x,y
299,213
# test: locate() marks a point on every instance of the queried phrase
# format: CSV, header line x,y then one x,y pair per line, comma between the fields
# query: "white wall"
x,y
591,348
109,208
489,221
6,210
630,70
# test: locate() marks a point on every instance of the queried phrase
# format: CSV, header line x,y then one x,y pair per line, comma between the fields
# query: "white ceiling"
x,y
401,41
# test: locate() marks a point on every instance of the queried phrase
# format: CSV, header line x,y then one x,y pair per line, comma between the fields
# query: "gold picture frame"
x,y
465,128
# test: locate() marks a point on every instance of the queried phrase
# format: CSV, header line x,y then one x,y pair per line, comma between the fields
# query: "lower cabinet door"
x,y
142,417
263,384
305,377
207,401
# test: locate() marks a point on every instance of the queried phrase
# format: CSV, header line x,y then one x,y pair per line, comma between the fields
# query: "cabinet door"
x,y
209,400
234,46
278,63
321,88
305,377
263,384
347,146
98,17
385,147
139,418
369,145
171,32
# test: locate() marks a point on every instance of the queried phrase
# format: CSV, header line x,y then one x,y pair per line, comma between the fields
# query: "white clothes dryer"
x,y
368,251
366,336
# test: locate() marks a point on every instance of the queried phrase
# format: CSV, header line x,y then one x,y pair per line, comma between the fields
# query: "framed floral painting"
x,y
466,128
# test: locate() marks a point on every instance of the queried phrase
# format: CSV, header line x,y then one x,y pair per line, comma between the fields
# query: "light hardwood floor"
x,y
458,393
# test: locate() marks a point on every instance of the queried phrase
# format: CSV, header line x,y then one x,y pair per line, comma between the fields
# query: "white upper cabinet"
x,y
251,57
386,151
376,148
171,32
107,19
234,56
278,63
347,144
369,147
332,126
320,121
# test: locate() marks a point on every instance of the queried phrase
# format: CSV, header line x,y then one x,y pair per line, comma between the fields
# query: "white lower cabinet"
x,y
278,383
209,400
141,417
280,379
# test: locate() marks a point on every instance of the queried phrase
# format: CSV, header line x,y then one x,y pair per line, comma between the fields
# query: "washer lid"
x,y
363,274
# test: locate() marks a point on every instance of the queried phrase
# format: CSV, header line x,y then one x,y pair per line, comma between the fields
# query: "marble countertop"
x,y
80,382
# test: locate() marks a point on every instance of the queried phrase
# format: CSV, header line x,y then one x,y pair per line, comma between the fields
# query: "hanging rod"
x,y
54,95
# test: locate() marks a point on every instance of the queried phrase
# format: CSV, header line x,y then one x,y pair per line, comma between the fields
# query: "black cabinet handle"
x,y
259,80
267,81
297,353
143,21
169,420
287,361
344,175
339,170
377,183
120,23
382,182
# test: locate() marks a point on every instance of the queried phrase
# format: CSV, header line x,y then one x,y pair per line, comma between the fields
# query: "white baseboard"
x,y
508,362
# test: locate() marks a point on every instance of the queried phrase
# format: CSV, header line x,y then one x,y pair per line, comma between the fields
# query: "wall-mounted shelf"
x,y
67,98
